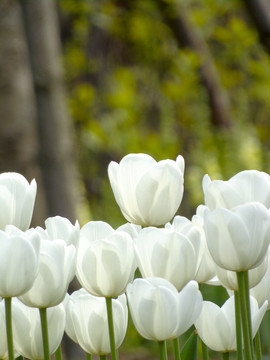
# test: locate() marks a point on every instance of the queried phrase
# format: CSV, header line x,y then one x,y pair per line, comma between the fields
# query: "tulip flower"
x,y
147,192
19,262
105,260
17,198
238,238
27,331
223,337
168,254
159,312
246,186
87,322
56,270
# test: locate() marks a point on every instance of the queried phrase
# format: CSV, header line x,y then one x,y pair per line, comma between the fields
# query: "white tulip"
x,y
238,239
216,325
87,322
105,259
168,254
246,186
147,192
27,330
17,199
159,312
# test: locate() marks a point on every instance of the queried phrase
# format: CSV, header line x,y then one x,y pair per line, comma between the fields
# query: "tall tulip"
x,y
159,312
105,259
246,186
147,192
17,199
238,238
168,254
87,322
27,330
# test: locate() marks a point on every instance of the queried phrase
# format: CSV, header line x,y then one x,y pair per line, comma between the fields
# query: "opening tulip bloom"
x,y
105,259
216,325
159,312
17,199
246,186
147,192
171,255
87,322
238,239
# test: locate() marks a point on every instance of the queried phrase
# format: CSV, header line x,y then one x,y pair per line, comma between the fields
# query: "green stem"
x,y
176,349
58,353
205,351
45,336
238,326
88,356
102,357
8,304
162,350
111,329
248,305
258,346
245,315
225,356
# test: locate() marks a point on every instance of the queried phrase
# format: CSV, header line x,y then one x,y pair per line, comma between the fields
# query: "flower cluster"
x,y
226,243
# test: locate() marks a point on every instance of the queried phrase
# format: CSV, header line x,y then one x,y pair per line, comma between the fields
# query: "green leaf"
x,y
189,351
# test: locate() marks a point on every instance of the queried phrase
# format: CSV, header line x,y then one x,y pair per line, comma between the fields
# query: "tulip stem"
x,y
176,349
88,356
258,346
225,356
205,351
58,353
245,313
111,329
44,329
238,326
102,357
8,304
162,350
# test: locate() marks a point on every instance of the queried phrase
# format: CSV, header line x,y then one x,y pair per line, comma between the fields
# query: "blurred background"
x,y
84,82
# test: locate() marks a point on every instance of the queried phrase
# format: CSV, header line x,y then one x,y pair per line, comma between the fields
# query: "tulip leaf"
x,y
189,351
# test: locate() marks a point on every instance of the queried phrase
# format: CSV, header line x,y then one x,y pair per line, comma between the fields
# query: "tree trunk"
x,y
56,152
18,136
187,35
259,11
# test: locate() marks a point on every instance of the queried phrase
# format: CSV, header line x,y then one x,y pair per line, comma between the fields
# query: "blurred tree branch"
x,y
259,11
187,35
